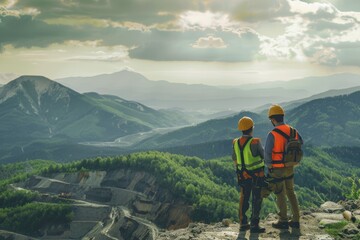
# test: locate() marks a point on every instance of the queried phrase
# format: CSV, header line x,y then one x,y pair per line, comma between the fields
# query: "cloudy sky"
x,y
217,42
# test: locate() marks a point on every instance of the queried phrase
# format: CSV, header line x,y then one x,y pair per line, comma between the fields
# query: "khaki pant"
x,y
283,189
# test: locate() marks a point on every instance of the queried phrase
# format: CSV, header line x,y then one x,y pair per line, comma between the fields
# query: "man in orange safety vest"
x,y
284,175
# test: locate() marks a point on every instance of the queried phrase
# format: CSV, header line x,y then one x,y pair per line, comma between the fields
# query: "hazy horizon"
x,y
8,77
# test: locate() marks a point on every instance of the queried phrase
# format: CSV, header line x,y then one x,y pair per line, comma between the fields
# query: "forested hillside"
x,y
210,186
28,212
332,121
36,111
209,131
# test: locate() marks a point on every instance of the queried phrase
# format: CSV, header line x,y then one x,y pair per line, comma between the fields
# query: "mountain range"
x,y
332,121
34,108
163,94
313,85
298,102
42,118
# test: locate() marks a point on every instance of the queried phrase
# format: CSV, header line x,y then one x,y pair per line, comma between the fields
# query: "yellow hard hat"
x,y
276,110
245,123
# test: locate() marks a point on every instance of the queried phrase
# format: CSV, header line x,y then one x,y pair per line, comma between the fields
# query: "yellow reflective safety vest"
x,y
244,157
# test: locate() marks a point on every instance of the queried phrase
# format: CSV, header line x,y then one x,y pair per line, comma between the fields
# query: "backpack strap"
x,y
287,137
293,133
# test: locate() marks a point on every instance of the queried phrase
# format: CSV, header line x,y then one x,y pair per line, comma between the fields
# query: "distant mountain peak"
x,y
39,81
129,73
42,84
32,89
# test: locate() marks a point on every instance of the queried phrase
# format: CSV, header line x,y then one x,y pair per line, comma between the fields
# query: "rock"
x,y
226,222
186,237
330,207
192,225
331,216
350,229
349,216
271,217
196,230
321,237
306,212
350,205
324,222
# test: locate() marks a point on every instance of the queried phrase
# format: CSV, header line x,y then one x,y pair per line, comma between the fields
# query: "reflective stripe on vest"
x,y
251,162
279,146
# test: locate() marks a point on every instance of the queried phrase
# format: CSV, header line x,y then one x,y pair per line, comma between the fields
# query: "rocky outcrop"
x,y
99,194
315,225
331,207
132,230
136,198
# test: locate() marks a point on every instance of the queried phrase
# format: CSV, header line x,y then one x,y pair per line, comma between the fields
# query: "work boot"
x,y
280,225
294,224
244,227
257,229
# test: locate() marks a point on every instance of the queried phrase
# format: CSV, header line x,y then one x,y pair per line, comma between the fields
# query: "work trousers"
x,y
283,189
248,187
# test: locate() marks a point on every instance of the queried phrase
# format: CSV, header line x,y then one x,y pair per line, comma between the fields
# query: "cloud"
x,y
342,5
76,21
209,42
180,46
144,12
188,30
334,54
5,11
25,31
7,3
317,10
194,20
32,32
349,53
69,3
325,56
104,54
315,32
260,10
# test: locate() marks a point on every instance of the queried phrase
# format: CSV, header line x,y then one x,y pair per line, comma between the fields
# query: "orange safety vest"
x,y
279,146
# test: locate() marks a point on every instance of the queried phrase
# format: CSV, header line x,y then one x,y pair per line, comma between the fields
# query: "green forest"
x,y
208,185
24,211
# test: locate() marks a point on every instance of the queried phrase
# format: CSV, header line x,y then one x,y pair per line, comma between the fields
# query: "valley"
x,y
133,139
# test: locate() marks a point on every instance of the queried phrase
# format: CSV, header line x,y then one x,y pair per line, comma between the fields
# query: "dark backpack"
x,y
293,152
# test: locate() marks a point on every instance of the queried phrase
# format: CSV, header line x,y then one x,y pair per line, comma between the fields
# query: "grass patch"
x,y
335,228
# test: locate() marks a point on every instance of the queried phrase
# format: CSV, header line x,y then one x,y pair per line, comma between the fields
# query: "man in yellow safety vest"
x,y
248,157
